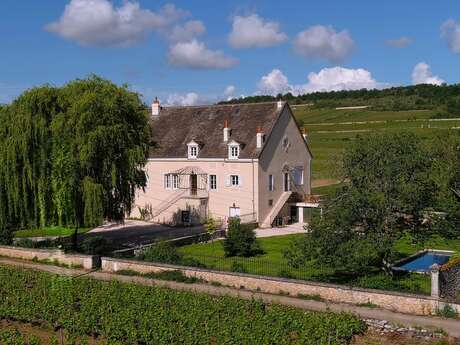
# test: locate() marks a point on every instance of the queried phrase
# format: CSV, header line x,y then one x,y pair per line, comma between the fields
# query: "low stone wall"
x,y
399,302
449,280
52,255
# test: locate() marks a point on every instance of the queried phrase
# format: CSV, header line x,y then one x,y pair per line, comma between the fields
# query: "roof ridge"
x,y
217,105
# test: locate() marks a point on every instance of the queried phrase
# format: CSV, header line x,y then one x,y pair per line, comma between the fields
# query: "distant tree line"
x,y
445,99
71,155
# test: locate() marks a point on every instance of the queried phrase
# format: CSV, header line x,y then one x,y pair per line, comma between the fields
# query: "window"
x,y
175,181
287,182
213,182
297,175
270,202
286,144
271,183
233,150
234,180
171,181
192,151
167,181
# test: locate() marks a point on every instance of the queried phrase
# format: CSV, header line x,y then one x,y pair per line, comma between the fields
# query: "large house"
x,y
239,160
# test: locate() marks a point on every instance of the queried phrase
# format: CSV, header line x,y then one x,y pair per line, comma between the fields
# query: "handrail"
x,y
168,202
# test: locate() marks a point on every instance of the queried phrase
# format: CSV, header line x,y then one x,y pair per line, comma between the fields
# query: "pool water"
x,y
423,262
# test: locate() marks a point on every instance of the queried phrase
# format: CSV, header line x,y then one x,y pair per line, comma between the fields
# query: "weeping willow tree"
x,y
71,156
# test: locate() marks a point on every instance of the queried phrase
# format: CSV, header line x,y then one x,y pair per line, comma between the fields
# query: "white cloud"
x,y
274,83
340,78
401,42
323,42
229,92
195,98
187,99
327,79
254,31
187,31
99,23
450,31
195,54
422,74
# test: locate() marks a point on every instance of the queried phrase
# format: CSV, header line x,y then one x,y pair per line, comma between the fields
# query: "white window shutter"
x,y
228,182
240,180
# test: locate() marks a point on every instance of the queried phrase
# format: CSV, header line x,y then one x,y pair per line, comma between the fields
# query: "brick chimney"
x,y
260,137
227,131
156,108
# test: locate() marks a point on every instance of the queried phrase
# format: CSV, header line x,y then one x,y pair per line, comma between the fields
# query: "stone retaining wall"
x,y
51,255
399,302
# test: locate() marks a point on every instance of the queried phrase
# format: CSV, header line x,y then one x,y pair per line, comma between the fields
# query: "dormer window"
x,y
193,150
233,150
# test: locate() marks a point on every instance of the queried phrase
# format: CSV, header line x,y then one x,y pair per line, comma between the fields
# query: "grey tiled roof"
x,y
177,126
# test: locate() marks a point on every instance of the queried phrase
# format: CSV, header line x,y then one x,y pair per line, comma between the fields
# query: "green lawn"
x,y
405,246
48,231
327,190
272,263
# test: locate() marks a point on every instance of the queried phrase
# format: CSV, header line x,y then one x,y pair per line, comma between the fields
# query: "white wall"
x,y
220,200
274,157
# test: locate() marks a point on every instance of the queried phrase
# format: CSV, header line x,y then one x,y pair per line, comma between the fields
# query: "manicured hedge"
x,y
135,314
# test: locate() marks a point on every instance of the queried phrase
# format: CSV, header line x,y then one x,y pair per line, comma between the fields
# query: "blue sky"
x,y
189,52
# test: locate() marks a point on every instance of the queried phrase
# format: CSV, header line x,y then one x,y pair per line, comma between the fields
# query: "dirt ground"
x,y
376,338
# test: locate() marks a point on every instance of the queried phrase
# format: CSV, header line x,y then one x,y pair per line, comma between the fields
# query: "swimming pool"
x,y
421,262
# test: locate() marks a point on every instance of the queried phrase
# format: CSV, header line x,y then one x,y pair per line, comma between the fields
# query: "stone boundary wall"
x,y
449,280
52,255
398,302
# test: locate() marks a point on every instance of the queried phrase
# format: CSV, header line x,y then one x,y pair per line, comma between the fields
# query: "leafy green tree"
x,y
394,187
241,240
72,155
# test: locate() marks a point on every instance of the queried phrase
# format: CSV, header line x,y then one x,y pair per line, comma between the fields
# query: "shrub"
x,y
177,276
238,267
447,311
241,240
94,245
163,252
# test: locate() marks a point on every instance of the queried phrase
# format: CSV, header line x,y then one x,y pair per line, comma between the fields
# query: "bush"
x,y
94,245
447,311
48,243
241,240
238,267
177,276
163,252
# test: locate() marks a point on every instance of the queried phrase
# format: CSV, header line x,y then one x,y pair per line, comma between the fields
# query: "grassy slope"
x,y
329,132
48,231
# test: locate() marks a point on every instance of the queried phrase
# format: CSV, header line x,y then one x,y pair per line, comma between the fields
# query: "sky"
x,y
202,51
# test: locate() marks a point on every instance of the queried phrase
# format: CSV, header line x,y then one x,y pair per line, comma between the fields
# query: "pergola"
x,y
191,177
